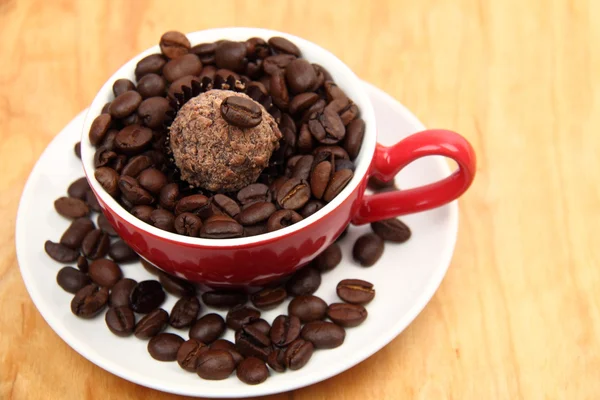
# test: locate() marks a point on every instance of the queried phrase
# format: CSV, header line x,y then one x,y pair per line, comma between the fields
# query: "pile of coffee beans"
x,y
322,136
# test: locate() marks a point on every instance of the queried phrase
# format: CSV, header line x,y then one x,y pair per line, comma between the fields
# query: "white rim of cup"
x,y
344,78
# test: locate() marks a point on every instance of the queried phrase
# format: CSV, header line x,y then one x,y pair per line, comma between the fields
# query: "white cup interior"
x,y
341,74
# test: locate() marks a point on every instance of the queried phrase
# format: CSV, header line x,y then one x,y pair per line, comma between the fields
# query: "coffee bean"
x,y
153,111
392,230
281,219
92,201
221,227
318,107
347,315
279,91
121,252
249,346
78,188
82,264
282,45
179,84
206,52
163,219
104,157
329,258
125,104
285,330
151,324
215,365
224,299
188,224
323,335
355,291
146,296
319,178
329,151
174,44
121,86
136,165
152,64
108,179
300,76
239,316
326,127
367,249
345,108
333,91
338,182
169,195
254,193
184,312
308,308
152,180
99,127
105,225
76,232
293,194
302,168
95,244
276,360
276,64
59,252
151,85
105,272
262,326
302,102
189,353
188,64
120,320
255,213
226,205
133,139
306,281
143,213
71,279
257,48
311,207
208,328
191,204
355,132
268,298
120,292
231,55
252,371
298,353
241,112
164,346
176,286
71,207
89,301
77,150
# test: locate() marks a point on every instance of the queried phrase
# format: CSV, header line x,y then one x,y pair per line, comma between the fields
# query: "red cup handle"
x,y
388,161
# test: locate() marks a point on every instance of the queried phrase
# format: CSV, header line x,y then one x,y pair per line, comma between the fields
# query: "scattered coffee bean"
x,y
77,150
92,201
208,328
323,335
285,330
121,86
120,320
71,279
224,299
329,258
146,296
347,315
82,264
108,179
79,188
59,252
268,298
121,252
250,345
76,232
105,272
151,324
71,207
239,316
252,371
367,249
355,291
392,230
164,346
106,226
95,244
177,286
298,354
240,111
120,292
189,353
174,44
308,308
215,364
261,325
306,281
89,301
276,360
184,312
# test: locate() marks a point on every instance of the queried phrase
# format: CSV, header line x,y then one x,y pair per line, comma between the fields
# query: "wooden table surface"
x,y
518,314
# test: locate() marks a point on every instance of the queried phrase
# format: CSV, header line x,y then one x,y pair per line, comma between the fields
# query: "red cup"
x,y
257,260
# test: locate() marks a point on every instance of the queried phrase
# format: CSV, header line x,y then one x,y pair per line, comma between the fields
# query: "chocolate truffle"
x,y
215,155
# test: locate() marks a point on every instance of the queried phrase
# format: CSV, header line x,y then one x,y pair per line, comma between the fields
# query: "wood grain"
x,y
517,316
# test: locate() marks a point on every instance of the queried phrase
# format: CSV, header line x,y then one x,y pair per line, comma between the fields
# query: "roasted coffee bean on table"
x,y
268,298
222,344
308,308
184,312
261,325
355,291
215,364
76,232
347,315
368,249
208,328
306,281
71,207
146,296
89,301
164,346
60,252
252,371
95,244
121,252
151,324
323,335
285,330
392,230
298,354
120,292
79,188
177,286
239,316
189,354
224,299
71,279
105,272
329,258
120,320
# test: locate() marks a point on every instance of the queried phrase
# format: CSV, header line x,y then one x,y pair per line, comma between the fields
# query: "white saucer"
x,y
405,278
